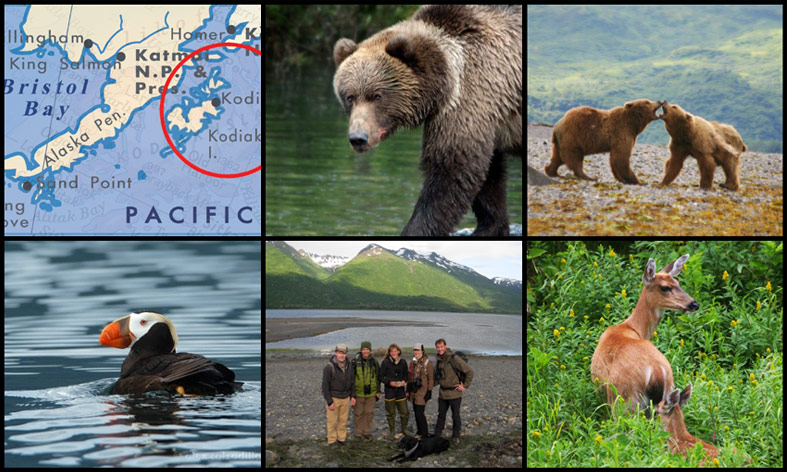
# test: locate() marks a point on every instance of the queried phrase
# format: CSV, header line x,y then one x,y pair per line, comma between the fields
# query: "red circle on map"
x,y
164,125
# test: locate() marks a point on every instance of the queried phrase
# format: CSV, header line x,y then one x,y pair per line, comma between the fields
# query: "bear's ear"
x,y
342,50
402,48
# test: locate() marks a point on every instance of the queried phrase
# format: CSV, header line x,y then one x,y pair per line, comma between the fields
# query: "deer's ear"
x,y
685,395
676,266
650,272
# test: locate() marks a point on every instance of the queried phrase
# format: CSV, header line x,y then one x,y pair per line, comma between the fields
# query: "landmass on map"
x,y
197,111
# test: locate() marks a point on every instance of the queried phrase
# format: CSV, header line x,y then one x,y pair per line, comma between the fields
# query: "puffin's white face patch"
x,y
141,322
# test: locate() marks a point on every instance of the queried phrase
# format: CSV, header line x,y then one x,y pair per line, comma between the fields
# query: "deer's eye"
x,y
666,289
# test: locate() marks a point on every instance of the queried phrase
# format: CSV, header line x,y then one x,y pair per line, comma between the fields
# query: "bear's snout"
x,y
362,123
359,139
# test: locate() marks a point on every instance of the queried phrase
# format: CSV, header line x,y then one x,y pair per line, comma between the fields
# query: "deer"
x,y
671,414
625,358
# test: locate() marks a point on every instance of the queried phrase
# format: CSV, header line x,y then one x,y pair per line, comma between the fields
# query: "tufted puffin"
x,y
152,363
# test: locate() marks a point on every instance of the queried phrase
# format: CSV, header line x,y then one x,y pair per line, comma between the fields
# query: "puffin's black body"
x,y
153,363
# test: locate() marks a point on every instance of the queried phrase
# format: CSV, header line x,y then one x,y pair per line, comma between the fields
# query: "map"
x,y
133,120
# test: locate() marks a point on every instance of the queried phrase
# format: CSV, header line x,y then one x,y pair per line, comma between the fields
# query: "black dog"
x,y
414,448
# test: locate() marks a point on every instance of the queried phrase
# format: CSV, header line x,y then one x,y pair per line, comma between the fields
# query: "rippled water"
x,y
58,297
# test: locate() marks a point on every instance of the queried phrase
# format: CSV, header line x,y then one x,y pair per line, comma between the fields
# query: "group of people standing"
x,y
361,382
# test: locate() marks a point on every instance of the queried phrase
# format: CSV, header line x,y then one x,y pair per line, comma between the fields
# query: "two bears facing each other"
x,y
585,130
456,69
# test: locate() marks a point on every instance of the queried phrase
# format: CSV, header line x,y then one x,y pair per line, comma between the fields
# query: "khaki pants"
x,y
364,411
337,419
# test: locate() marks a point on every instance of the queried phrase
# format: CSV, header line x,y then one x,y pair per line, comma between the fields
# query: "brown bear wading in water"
x,y
585,130
456,69
711,143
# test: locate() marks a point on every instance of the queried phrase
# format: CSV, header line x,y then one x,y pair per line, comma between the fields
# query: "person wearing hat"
x,y
366,371
339,392
421,379
393,373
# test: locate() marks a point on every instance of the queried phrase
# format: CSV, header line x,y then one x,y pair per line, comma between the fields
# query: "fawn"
x,y
672,421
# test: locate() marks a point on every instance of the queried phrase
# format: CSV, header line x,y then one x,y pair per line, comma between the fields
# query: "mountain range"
x,y
380,279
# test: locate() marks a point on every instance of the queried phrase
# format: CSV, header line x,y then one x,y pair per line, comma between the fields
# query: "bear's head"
x,y
644,110
677,120
392,80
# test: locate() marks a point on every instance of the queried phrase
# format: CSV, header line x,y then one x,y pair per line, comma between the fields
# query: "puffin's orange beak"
x,y
117,334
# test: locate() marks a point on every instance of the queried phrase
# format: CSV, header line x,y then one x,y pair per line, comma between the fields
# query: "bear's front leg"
x,y
620,163
673,165
444,199
489,205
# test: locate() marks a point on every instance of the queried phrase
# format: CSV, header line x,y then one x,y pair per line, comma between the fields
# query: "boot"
x,y
404,416
390,415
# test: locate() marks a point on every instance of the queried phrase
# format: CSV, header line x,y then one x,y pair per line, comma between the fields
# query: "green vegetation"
x,y
376,279
722,63
731,350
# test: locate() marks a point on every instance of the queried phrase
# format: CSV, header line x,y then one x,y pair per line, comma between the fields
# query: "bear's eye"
x,y
350,98
377,97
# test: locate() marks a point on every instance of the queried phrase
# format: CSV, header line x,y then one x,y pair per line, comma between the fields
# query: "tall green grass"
x,y
731,350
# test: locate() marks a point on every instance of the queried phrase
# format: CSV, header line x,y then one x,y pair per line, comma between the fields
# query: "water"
x,y
58,297
478,333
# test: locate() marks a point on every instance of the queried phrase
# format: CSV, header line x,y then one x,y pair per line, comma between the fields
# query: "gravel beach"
x,y
608,208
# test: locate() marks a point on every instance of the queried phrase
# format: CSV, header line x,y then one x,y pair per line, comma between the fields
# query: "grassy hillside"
x,y
724,63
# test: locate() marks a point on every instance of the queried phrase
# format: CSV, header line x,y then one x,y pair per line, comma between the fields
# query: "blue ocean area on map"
x,y
85,152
